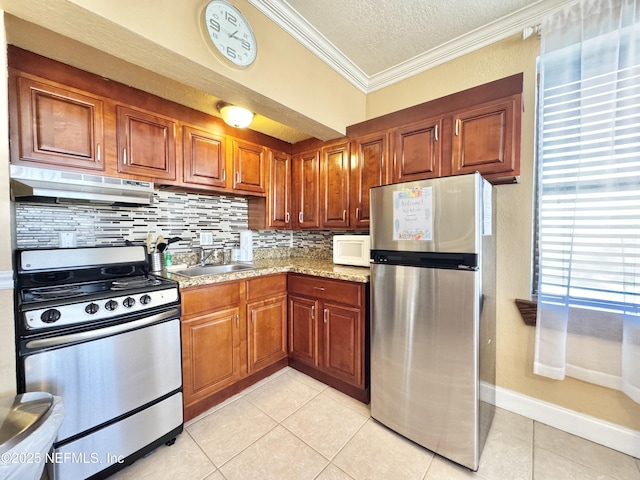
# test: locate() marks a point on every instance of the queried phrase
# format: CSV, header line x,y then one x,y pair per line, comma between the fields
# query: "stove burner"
x,y
60,291
134,282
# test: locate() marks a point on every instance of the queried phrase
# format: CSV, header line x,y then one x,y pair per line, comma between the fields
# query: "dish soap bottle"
x,y
168,260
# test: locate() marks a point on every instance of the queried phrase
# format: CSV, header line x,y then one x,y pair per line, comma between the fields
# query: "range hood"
x,y
41,182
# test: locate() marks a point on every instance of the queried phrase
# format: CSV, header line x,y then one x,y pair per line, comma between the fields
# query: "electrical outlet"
x,y
68,240
206,238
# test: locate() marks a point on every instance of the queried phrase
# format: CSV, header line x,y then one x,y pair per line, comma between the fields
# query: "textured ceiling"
x,y
379,34
374,43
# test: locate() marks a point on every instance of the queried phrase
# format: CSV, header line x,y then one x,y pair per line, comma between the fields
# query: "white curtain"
x,y
588,324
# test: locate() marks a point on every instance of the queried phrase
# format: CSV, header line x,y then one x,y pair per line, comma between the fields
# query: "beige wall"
x,y
7,336
515,341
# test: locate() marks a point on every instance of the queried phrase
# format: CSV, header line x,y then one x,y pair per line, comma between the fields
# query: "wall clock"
x,y
230,33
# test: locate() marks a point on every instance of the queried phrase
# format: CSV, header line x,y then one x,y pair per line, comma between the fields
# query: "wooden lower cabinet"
x,y
211,344
342,351
266,321
328,332
302,329
233,334
236,333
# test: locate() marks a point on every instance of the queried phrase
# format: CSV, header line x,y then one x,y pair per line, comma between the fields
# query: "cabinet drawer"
x,y
197,300
348,293
267,286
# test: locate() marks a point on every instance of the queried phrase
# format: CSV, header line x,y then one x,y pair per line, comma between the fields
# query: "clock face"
x,y
230,33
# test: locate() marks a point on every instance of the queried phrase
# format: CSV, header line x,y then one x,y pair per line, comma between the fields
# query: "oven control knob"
x,y
145,299
128,302
111,305
92,308
50,316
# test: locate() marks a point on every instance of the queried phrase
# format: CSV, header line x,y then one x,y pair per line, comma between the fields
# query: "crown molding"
x,y
293,23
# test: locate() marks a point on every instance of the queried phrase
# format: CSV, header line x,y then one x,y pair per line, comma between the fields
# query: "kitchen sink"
x,y
202,271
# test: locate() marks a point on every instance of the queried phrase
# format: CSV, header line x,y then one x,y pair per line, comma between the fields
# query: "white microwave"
x,y
352,250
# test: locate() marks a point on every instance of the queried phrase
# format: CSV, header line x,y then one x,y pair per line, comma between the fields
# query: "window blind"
x,y
589,181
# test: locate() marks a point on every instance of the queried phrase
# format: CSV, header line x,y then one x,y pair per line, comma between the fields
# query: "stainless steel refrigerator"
x,y
433,313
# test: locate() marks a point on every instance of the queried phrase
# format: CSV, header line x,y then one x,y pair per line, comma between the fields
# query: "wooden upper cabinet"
x,y
487,139
369,156
249,166
146,144
306,189
204,157
274,211
418,150
58,125
334,181
279,208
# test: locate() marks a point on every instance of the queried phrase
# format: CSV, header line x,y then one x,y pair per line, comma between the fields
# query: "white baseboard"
x,y
598,431
6,279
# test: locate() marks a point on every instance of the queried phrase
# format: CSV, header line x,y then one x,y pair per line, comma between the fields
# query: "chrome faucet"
x,y
204,255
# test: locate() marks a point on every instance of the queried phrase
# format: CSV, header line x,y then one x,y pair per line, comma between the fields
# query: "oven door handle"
x,y
74,338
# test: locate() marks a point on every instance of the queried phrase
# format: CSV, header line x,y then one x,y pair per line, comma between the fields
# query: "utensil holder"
x,y
156,261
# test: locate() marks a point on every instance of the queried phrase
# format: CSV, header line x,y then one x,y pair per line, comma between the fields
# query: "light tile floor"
x,y
290,426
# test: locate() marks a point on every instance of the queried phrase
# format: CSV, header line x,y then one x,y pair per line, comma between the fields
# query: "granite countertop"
x,y
268,266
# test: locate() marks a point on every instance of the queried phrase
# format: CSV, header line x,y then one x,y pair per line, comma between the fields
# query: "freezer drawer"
x,y
424,357
95,452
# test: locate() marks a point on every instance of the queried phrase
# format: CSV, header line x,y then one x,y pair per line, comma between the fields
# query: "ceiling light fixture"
x,y
234,116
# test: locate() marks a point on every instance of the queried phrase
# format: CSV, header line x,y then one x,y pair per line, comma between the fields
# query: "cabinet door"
x,y
248,167
59,125
487,139
334,181
302,329
417,150
342,343
306,189
368,169
279,190
266,332
210,353
146,144
204,157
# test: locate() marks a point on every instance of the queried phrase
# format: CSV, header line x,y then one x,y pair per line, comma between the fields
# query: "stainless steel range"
x,y
96,329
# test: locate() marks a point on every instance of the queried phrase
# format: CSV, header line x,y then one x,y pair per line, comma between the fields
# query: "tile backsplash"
x,y
172,214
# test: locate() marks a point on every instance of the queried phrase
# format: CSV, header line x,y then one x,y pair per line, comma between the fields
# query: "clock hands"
x,y
233,35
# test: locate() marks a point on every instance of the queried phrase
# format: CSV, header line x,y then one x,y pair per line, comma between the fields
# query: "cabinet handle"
x,y
98,154
325,315
237,177
300,217
344,215
357,213
237,321
224,174
436,133
457,127
124,155
319,288
286,217
313,312
253,316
